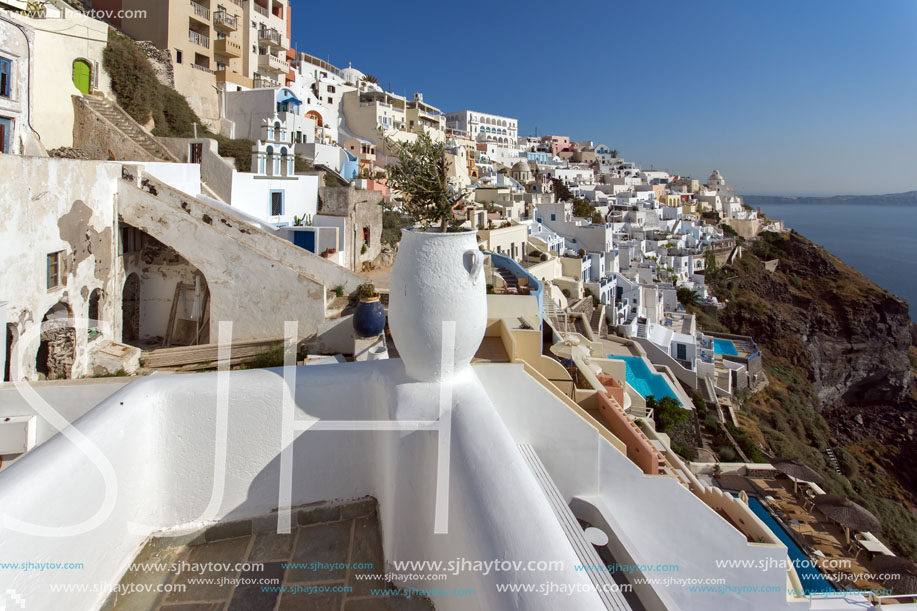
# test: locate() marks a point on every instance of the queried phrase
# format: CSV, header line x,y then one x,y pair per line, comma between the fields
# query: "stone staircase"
x,y
641,329
512,283
115,115
597,320
555,315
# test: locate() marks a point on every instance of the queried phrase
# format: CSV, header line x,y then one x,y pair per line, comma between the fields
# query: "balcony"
x,y
199,39
222,20
270,38
273,64
227,47
201,12
260,10
228,76
263,82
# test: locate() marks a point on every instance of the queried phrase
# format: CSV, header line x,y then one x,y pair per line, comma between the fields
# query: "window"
x,y
54,270
331,89
131,239
6,131
6,77
276,203
177,56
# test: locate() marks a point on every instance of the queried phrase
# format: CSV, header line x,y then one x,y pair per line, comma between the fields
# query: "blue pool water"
x,y
725,346
643,380
809,576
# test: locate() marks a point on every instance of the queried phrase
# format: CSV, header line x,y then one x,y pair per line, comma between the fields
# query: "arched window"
x,y
95,305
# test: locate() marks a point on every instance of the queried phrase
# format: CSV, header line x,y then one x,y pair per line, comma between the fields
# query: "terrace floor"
x,y
325,541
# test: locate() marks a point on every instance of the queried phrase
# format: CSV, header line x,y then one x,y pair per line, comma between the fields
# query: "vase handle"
x,y
477,262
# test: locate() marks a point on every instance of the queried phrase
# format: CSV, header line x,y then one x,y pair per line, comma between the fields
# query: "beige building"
x,y
424,118
214,45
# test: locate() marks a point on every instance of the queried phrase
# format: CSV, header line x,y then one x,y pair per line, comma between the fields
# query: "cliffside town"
x,y
663,375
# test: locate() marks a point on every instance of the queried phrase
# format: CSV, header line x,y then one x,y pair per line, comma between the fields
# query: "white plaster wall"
x,y
45,190
18,45
241,262
58,43
251,195
186,177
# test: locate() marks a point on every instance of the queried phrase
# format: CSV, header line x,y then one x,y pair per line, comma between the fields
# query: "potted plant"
x,y
369,317
438,273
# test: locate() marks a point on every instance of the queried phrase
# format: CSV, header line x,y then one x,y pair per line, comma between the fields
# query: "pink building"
x,y
558,143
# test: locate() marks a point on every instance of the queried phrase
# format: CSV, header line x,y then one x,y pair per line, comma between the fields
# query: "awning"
x,y
289,99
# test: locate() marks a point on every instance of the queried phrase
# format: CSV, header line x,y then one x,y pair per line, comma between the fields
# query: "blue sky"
x,y
783,97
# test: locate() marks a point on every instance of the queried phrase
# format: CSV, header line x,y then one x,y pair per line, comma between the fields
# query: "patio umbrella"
x,y
904,572
798,471
739,483
569,347
846,513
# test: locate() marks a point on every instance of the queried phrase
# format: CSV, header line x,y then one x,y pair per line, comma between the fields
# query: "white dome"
x,y
351,75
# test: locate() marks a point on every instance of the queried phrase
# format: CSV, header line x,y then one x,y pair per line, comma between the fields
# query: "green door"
x,y
81,75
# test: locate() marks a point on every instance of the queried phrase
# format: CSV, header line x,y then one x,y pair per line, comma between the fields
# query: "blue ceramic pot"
x,y
369,318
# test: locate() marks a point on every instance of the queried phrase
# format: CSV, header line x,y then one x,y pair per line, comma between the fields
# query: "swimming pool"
x,y
809,576
725,346
643,380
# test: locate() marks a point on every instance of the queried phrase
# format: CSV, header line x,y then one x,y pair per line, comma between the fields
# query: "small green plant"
x,y
339,290
581,252
363,249
366,291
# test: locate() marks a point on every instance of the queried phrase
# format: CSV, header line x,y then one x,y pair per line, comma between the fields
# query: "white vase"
x,y
437,278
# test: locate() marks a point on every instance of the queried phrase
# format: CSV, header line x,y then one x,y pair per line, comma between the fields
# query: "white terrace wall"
x,y
156,442
639,507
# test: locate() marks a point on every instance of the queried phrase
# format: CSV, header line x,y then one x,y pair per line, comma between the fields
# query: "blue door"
x,y
305,239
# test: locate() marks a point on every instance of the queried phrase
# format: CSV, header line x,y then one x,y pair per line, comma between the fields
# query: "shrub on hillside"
x,y
240,149
132,77
139,92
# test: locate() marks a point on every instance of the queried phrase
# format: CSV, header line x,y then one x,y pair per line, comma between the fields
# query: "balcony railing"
x,y
202,68
200,10
262,82
260,10
239,2
199,39
271,37
223,18
271,63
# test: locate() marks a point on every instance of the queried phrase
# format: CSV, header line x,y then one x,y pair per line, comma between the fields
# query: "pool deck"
x,y
818,533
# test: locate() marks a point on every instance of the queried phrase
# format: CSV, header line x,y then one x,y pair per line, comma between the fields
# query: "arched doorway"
x,y
95,305
319,122
82,76
57,349
130,309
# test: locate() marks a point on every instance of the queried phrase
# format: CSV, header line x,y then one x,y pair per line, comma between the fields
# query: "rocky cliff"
x,y
839,358
851,336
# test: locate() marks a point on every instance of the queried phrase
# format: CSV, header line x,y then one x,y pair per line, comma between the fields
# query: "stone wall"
x,y
161,61
362,210
58,349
